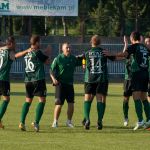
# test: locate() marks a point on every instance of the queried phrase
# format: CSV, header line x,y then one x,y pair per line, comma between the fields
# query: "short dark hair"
x,y
136,35
34,39
10,39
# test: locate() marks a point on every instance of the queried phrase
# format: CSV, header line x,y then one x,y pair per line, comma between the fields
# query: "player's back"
x,y
34,67
96,65
140,57
5,64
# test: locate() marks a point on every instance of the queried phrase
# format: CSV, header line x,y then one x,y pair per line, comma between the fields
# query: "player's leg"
x,y
146,105
26,106
125,110
127,93
143,97
39,113
70,100
57,111
25,110
138,109
101,105
5,91
148,97
136,82
40,109
70,112
91,98
101,93
90,91
40,91
87,108
3,109
59,101
146,109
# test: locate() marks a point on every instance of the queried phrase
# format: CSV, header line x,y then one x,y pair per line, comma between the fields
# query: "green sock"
x,y
87,108
146,109
101,110
25,110
104,105
39,111
138,109
3,108
125,109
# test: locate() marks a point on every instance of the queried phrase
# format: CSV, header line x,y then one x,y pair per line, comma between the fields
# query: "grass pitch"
x,y
113,136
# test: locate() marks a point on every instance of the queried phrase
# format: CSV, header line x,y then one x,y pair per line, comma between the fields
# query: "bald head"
x,y
147,42
95,40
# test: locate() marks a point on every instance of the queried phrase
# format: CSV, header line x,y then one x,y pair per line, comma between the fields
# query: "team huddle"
x,y
62,71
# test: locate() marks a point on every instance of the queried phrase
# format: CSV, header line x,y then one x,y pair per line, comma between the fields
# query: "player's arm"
x,y
14,55
113,57
125,44
2,44
80,60
42,57
22,53
55,82
3,47
108,55
127,50
121,55
124,50
53,72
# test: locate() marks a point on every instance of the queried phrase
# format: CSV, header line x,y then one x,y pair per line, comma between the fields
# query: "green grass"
x,y
113,136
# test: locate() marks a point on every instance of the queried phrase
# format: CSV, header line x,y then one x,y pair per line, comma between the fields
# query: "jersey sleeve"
x,y
53,65
112,58
41,56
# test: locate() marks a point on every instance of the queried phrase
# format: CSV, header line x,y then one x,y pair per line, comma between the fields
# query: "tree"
x,y
101,16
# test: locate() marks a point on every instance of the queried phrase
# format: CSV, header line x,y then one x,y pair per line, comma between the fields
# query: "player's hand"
x,y
29,50
106,53
55,82
125,40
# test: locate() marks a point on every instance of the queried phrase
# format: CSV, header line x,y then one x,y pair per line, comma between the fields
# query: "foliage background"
x,y
105,17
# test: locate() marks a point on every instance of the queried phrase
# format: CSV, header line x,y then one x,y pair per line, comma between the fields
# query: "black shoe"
x,y
87,125
83,122
99,125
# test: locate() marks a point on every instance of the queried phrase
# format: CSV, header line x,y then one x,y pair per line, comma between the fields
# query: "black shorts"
x,y
64,91
36,88
4,88
139,81
127,88
96,88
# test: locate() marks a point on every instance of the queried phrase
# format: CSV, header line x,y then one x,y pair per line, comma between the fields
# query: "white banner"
x,y
39,7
